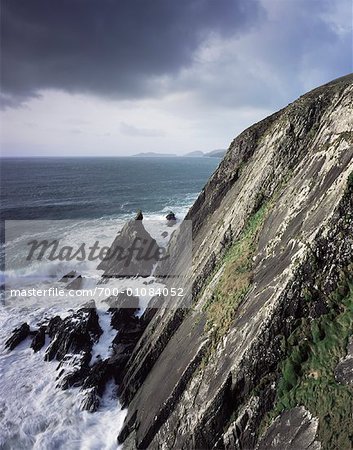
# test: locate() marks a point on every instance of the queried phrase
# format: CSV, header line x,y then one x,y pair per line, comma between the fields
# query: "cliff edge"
x,y
253,363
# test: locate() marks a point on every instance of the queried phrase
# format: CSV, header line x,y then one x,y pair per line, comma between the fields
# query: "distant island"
x,y
219,153
196,154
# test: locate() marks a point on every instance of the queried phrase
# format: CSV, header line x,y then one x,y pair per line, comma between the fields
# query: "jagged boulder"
x,y
292,430
72,340
38,340
344,369
69,276
130,327
123,310
76,284
73,369
94,384
53,326
171,219
18,335
133,252
139,215
74,334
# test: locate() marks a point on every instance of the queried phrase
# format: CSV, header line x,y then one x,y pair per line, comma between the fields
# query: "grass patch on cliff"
x,y
236,278
238,263
307,374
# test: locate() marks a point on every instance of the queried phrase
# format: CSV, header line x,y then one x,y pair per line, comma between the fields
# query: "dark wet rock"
x,y
71,344
53,326
133,252
74,334
171,219
18,335
123,311
91,400
94,384
164,234
69,276
127,336
117,362
123,346
170,216
139,215
148,315
130,328
73,369
142,361
76,284
122,301
38,340
113,301
344,369
97,377
153,305
292,430
241,433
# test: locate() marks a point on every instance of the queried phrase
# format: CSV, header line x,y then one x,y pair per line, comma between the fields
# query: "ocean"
x,y
91,188
92,195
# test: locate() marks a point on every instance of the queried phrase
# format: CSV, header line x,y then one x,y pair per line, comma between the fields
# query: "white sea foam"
x,y
34,413
103,348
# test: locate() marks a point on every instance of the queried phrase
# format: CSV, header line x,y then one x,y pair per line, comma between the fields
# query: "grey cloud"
x,y
75,131
294,49
74,121
116,48
131,130
13,99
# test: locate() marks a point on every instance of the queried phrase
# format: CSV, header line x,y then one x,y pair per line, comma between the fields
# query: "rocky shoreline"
x,y
71,340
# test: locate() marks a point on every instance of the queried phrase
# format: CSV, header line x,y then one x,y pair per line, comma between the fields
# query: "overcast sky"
x,y
117,77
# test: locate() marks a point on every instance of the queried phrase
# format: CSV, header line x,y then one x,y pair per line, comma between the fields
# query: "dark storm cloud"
x,y
107,47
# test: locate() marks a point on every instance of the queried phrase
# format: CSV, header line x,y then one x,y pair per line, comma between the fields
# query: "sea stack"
x,y
171,219
139,215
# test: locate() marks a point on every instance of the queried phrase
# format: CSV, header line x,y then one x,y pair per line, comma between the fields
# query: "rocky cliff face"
x,y
272,296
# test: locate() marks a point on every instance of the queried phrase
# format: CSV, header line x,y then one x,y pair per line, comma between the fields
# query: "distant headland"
x,y
219,153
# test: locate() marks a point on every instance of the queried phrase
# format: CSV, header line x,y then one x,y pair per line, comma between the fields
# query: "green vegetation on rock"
x,y
237,274
307,374
236,278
